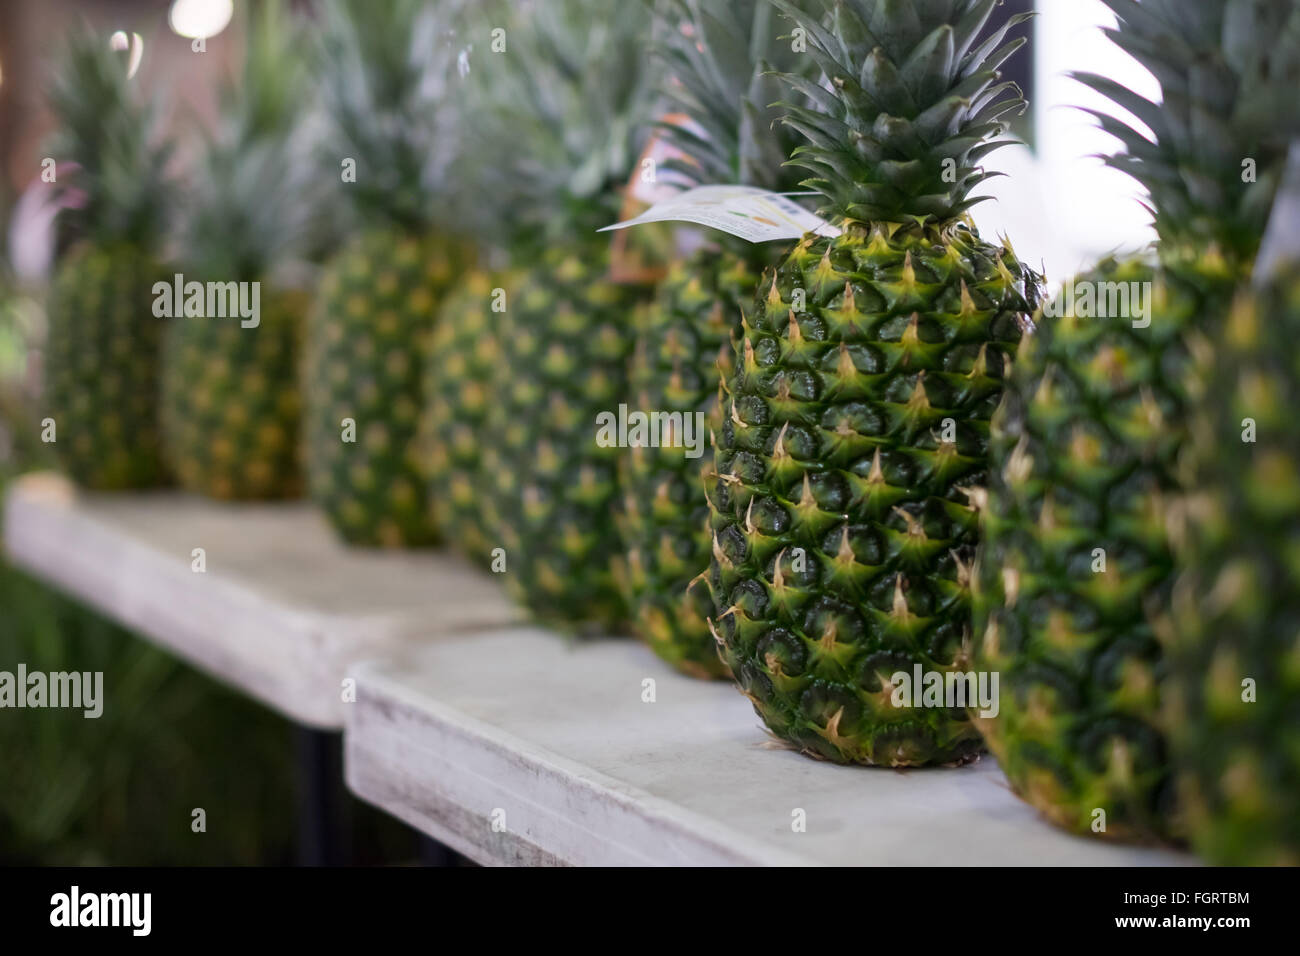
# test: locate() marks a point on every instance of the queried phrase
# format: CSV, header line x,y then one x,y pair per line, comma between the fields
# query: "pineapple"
x,y
1076,571
573,86
103,351
856,418
387,83
1075,547
1236,608
230,394
552,487
720,54
466,354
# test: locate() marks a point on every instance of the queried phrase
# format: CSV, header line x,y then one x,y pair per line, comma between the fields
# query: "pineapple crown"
x,y
387,82
1228,72
251,206
560,91
117,190
720,58
908,104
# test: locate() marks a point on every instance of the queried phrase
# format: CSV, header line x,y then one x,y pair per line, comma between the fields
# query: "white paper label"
x,y
752,214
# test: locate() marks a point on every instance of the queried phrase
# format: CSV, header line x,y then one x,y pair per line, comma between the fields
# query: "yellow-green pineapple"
x,y
231,397
1233,693
1077,566
465,357
389,86
102,358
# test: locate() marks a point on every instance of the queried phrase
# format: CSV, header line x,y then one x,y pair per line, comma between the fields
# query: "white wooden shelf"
x,y
506,742
281,610
522,747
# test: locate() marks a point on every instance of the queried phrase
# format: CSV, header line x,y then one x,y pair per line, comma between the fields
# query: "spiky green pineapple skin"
x,y
1237,606
1077,564
843,529
466,357
368,338
553,488
685,343
103,363
231,402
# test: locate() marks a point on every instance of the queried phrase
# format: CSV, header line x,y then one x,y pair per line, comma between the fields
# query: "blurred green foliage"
x,y
121,789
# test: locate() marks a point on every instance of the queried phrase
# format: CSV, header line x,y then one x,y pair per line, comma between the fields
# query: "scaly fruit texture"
x,y
574,85
684,345
1233,697
1235,702
1075,573
231,404
719,55
103,351
466,353
370,338
1086,441
388,89
102,361
856,421
566,343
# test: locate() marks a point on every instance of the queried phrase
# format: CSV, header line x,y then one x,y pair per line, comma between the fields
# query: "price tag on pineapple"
x,y
752,214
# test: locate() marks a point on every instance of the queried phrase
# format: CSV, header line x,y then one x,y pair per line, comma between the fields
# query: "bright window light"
x,y
1059,205
1099,204
200,19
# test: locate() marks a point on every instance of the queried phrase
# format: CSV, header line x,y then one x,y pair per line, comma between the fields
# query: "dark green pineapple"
x,y
1077,567
553,488
573,84
719,55
103,351
856,421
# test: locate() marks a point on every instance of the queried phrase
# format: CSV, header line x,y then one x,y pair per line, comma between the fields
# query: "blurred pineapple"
x,y
231,402
1232,698
560,110
466,354
103,350
386,77
720,55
